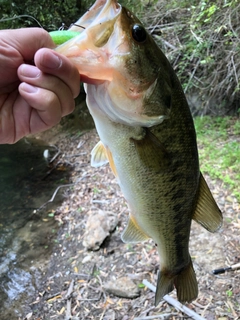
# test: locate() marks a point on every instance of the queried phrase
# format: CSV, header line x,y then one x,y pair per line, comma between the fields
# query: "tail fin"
x,y
185,283
164,286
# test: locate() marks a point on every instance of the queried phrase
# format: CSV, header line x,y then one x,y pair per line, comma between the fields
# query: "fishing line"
x,y
63,26
22,16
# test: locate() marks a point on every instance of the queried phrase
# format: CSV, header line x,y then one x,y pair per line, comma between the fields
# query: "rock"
x,y
110,315
122,287
98,228
86,259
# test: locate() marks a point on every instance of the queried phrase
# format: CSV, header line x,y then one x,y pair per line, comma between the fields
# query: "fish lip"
x,y
98,8
93,25
86,79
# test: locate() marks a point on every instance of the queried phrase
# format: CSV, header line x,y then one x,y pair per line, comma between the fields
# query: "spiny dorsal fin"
x,y
98,155
132,233
207,212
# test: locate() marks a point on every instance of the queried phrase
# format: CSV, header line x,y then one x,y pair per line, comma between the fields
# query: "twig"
x,y
93,299
101,201
175,303
161,316
69,301
145,312
55,193
68,311
53,296
234,68
192,75
70,290
104,310
81,143
53,168
58,188
200,40
55,275
206,307
56,154
75,155
169,45
81,275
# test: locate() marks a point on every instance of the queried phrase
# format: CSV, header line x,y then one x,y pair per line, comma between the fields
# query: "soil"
x,y
74,281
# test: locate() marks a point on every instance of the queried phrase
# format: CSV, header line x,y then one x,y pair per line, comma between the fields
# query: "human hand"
x,y
33,98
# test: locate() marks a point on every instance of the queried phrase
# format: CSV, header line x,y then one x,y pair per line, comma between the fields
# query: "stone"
x,y
123,287
98,227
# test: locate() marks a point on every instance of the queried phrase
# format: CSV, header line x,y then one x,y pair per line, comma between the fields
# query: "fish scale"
x,y
147,135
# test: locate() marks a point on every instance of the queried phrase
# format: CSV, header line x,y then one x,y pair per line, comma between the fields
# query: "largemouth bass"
x,y
147,135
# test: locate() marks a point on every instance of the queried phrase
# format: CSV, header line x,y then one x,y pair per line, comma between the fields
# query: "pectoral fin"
x,y
151,152
98,155
132,233
207,212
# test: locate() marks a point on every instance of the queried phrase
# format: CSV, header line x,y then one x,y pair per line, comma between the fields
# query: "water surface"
x,y
26,235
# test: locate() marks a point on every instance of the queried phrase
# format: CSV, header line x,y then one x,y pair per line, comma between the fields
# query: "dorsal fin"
x,y
207,212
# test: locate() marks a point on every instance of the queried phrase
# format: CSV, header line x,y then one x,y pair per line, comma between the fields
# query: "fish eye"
x,y
139,33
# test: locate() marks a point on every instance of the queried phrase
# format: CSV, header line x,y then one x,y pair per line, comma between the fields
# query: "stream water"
x,y
26,235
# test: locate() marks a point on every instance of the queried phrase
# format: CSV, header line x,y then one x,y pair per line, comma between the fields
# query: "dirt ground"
x,y
75,281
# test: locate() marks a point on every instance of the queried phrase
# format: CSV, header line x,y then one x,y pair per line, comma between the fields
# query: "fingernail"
x,y
30,71
50,60
28,88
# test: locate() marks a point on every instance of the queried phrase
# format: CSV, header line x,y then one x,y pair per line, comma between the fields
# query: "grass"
x,y
219,149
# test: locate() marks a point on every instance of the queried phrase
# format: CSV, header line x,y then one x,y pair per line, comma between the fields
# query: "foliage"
x,y
141,6
201,39
51,14
219,151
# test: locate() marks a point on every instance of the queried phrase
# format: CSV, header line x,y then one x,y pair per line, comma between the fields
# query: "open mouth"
x,y
87,50
99,12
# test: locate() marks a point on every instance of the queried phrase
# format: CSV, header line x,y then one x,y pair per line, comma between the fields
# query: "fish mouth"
x,y
88,50
112,65
97,14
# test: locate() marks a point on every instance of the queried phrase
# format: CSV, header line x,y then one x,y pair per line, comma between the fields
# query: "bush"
x,y
49,14
202,41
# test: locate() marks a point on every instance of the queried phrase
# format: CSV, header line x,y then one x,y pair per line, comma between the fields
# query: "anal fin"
x,y
132,233
207,212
